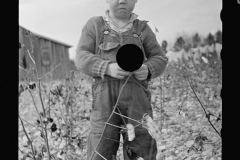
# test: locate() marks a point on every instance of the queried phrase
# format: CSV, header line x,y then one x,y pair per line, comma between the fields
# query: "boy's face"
x,y
121,8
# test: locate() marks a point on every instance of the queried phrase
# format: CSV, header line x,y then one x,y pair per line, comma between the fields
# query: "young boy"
x,y
101,38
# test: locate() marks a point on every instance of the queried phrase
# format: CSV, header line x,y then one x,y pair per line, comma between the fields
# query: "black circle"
x,y
130,57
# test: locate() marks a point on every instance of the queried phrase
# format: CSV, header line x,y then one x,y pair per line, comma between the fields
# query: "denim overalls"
x,y
134,102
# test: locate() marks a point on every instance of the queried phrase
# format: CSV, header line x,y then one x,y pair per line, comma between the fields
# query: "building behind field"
x,y
48,54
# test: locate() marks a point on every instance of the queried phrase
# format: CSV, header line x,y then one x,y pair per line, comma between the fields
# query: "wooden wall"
x,y
47,54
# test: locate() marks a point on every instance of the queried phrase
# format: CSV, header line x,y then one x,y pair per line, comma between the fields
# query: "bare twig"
x,y
35,106
208,117
29,141
30,124
161,107
115,125
100,155
41,100
31,56
84,132
127,117
185,98
22,68
50,71
121,116
112,140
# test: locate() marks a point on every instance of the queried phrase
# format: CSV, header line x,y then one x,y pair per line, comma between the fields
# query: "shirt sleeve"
x,y
86,60
156,58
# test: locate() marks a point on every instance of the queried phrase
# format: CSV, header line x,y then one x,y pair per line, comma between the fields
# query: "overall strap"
x,y
138,28
104,28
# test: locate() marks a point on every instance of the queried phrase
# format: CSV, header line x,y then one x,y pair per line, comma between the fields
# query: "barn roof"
x,y
47,38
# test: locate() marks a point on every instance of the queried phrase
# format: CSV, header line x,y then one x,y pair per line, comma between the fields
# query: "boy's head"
x,y
121,8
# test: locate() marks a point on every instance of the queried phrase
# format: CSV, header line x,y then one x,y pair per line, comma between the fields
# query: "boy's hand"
x,y
115,71
142,72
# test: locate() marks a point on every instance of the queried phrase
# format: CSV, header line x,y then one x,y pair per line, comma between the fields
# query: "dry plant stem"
x,y
30,68
62,114
85,132
31,56
40,95
71,121
45,130
42,125
121,116
21,150
161,107
100,155
35,106
184,101
109,118
30,124
115,125
113,140
127,117
50,71
22,68
33,153
49,95
203,108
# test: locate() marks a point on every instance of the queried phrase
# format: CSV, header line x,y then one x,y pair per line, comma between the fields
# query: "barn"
x,y
49,54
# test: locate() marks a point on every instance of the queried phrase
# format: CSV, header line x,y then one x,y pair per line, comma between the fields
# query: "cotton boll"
x,y
130,131
150,125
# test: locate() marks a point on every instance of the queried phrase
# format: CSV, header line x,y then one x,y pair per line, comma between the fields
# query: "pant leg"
x,y
104,98
143,144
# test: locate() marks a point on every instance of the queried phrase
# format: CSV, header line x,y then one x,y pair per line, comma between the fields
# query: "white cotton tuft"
x,y
152,128
130,131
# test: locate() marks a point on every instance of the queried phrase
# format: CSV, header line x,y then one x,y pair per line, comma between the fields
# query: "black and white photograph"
x,y
120,80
